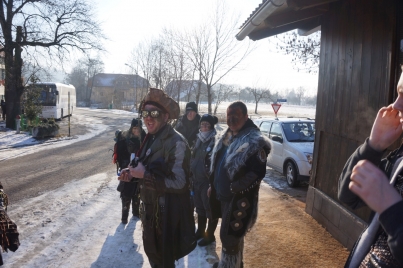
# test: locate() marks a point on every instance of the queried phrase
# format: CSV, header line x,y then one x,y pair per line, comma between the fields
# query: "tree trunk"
x,y
13,80
209,98
256,108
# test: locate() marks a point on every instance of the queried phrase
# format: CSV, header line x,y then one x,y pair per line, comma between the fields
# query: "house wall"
x,y
102,96
356,78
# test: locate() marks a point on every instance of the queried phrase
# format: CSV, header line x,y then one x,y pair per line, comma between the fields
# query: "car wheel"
x,y
291,174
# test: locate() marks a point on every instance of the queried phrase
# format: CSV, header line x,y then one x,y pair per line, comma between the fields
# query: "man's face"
x,y
154,124
235,119
191,115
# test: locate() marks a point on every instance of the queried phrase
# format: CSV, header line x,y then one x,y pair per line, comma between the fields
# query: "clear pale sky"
x,y
128,22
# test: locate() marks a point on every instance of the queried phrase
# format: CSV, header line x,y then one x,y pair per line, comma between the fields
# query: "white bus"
x,y
54,99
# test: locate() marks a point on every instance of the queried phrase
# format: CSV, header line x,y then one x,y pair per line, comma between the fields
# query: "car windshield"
x,y
299,131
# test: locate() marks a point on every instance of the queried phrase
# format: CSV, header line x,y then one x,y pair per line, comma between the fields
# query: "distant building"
x,y
117,90
187,90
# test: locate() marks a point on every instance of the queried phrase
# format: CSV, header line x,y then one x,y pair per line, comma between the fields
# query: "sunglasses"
x,y
153,114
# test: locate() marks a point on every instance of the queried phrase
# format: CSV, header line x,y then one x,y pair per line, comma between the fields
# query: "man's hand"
x,y
125,176
138,171
209,191
386,129
373,187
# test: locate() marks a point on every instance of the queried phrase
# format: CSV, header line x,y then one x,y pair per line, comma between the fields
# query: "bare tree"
x,y
181,71
49,27
213,50
305,50
82,77
300,94
78,78
259,94
222,93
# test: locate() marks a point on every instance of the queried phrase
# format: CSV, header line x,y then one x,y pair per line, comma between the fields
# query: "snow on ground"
x,y
78,225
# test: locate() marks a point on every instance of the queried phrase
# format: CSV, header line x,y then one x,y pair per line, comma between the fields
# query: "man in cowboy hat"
x,y
163,174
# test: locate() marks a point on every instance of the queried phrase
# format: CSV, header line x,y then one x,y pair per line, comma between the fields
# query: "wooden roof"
x,y
293,14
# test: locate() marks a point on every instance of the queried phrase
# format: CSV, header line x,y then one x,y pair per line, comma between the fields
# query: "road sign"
x,y
276,107
281,100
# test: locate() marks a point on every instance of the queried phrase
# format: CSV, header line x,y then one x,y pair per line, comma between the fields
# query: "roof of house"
x,y
110,80
273,17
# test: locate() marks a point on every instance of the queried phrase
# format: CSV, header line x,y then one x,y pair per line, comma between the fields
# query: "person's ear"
x,y
166,117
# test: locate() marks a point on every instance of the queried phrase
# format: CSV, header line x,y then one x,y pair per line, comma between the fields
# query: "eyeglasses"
x,y
205,125
153,114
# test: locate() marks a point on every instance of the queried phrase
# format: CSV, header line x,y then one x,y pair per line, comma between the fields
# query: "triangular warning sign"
x,y
276,107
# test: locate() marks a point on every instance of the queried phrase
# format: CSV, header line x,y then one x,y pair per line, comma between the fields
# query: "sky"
x,y
129,22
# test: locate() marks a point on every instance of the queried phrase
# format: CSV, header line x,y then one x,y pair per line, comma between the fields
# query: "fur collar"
x,y
241,146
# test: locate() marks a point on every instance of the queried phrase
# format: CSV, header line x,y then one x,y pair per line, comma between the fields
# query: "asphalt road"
x,y
46,170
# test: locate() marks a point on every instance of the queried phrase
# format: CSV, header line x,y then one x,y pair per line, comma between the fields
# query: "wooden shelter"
x,y
361,50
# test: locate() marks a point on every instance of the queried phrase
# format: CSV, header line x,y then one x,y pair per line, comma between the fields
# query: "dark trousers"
x,y
126,201
232,246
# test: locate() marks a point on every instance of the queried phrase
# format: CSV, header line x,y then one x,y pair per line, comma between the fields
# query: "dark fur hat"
x,y
209,118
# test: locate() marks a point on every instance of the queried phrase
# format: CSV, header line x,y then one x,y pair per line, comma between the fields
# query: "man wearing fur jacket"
x,y
238,164
163,173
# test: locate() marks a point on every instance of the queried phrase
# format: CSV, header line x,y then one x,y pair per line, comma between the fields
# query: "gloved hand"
x,y
159,168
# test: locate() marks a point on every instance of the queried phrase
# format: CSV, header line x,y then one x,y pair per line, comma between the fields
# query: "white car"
x,y
292,147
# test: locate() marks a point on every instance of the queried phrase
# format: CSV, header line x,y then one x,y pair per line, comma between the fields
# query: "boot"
x,y
124,217
201,226
125,210
209,237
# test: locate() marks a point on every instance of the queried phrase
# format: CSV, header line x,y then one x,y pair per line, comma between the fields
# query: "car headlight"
x,y
309,157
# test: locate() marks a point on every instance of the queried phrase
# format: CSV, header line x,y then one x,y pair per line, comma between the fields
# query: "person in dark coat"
x,y
238,165
188,124
3,109
163,172
369,180
130,142
200,168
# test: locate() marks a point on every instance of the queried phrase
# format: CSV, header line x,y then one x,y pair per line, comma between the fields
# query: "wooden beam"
x,y
267,32
293,16
303,4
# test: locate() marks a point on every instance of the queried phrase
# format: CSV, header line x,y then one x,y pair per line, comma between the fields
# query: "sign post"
x,y
68,101
276,107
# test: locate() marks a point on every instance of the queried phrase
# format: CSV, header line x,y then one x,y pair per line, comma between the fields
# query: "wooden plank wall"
x,y
357,47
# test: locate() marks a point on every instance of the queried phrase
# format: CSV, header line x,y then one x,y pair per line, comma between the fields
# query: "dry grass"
x,y
285,236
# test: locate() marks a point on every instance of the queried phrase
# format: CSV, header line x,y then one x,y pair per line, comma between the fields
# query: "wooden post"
x,y
69,110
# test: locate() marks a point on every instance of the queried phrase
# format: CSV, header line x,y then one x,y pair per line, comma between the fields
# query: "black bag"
x,y
121,186
8,233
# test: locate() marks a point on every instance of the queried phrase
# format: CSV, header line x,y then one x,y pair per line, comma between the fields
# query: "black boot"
x,y
201,226
125,209
209,237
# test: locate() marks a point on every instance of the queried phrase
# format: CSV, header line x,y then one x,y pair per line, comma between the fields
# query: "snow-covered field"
x,y
78,225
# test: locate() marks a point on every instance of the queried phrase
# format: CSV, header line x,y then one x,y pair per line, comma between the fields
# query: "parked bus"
x,y
54,99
